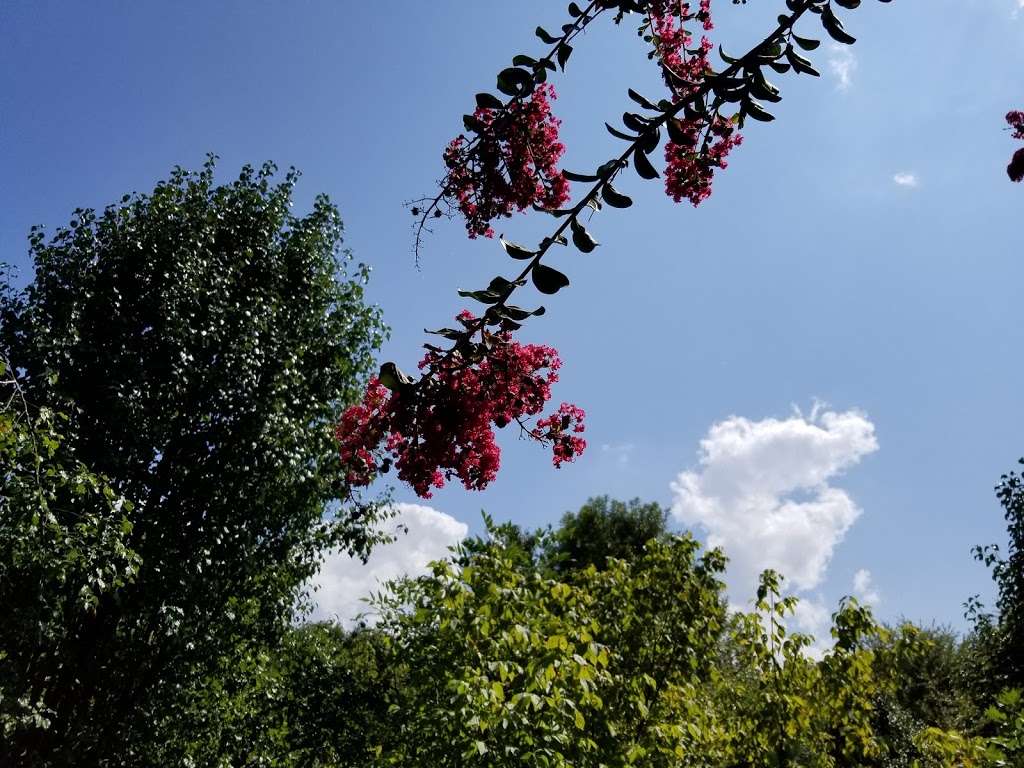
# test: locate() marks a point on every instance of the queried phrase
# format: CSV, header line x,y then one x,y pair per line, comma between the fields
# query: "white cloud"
x,y
905,179
843,64
863,588
621,452
422,535
761,491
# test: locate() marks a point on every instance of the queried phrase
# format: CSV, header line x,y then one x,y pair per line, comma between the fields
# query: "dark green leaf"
x,y
806,43
614,198
799,63
582,177
473,124
484,297
449,333
489,101
514,81
643,102
502,285
581,238
634,122
756,111
835,27
650,139
548,279
643,165
515,250
546,36
562,54
762,89
556,212
517,314
619,134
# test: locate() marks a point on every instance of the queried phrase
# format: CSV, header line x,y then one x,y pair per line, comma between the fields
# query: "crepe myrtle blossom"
x,y
442,426
699,144
510,165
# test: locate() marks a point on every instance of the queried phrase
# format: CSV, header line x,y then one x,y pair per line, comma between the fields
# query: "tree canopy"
x,y
201,340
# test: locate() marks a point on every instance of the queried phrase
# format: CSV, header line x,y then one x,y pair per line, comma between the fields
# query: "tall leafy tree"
x,y
603,528
203,339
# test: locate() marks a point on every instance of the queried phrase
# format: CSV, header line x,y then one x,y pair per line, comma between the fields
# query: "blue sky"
x,y
812,275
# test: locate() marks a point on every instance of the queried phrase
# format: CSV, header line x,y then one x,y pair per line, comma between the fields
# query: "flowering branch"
x,y
740,82
523,83
440,426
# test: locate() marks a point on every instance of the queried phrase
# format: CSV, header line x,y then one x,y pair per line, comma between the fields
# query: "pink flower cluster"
x,y
511,165
668,24
443,426
1015,169
702,144
562,428
690,166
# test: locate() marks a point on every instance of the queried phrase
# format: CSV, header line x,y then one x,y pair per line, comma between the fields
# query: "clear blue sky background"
x,y
810,273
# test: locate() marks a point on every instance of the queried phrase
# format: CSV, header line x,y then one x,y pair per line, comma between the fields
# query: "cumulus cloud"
x,y
761,491
864,589
842,63
422,535
905,179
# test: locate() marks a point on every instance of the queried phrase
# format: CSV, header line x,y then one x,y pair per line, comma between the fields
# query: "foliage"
x,y
313,700
505,666
497,664
778,706
1009,576
1005,749
1006,631
60,525
202,340
926,671
603,528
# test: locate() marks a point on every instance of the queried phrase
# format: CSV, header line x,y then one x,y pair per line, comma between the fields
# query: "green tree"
x,y
495,664
927,675
603,528
202,339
